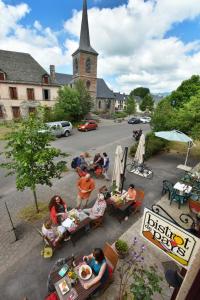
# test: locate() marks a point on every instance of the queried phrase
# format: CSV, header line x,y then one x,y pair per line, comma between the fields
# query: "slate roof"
x,y
84,43
120,97
103,90
21,67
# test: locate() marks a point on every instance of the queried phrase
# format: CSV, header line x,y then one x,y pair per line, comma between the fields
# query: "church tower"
x,y
85,57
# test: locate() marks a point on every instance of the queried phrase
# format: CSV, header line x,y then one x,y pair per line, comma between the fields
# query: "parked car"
x,y
134,121
60,128
145,120
88,125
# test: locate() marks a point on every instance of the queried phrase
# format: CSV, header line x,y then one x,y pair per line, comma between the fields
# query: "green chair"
x,y
167,188
181,199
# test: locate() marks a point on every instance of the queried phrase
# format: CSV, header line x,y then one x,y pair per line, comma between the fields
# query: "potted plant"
x,y
122,248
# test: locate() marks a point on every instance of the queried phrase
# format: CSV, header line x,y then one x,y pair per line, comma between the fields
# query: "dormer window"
x,y
2,75
45,79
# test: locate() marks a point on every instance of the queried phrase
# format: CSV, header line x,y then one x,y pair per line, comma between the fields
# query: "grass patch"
x,y
28,213
182,148
4,130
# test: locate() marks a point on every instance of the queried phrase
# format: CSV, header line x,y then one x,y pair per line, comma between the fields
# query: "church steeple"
x,y
84,43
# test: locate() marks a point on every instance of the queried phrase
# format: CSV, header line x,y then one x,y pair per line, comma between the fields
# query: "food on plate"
x,y
64,287
85,272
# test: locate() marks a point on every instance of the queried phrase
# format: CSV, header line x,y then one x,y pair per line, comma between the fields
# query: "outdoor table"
x,y
120,210
81,292
184,168
183,188
80,228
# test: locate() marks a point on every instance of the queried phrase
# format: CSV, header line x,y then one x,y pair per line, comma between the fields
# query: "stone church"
x,y
85,61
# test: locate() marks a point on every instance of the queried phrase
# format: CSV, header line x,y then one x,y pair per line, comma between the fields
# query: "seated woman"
x,y
58,210
98,208
130,194
98,160
98,264
51,232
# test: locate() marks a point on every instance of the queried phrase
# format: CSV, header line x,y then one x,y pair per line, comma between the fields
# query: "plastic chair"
x,y
181,199
138,200
167,188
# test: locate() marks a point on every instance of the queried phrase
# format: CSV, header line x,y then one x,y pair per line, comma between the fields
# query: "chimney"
x,y
52,73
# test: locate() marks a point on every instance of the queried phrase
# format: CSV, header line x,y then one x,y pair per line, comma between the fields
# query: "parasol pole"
x,y
188,151
124,170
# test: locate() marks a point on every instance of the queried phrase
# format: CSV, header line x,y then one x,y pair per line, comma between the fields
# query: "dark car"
x,y
88,125
134,121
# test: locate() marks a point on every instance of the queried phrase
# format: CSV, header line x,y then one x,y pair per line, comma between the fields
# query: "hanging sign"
x,y
174,241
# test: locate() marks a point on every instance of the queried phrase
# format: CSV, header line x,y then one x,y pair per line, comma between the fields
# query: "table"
x,y
183,188
184,168
80,228
120,211
82,293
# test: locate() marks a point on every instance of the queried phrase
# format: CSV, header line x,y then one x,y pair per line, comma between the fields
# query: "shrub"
x,y
121,246
119,114
153,146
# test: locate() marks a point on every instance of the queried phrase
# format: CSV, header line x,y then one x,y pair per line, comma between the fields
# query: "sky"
x,y
150,43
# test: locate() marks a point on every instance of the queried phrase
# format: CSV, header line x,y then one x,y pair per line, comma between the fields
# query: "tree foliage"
x,y
147,103
31,157
131,105
73,103
140,92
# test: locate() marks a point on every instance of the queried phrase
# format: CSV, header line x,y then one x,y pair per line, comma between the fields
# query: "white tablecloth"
x,y
181,187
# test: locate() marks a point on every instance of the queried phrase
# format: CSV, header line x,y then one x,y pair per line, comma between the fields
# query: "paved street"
x,y
23,271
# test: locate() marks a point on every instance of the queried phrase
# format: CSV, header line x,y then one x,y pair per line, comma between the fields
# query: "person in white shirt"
x,y
98,208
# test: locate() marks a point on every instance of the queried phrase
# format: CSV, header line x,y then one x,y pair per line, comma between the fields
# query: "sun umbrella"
x,y
176,136
140,150
118,167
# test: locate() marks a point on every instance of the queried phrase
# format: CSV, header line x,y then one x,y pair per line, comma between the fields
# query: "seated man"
x,y
82,162
98,160
98,208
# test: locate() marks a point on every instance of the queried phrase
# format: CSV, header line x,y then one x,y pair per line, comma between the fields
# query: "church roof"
x,y
84,43
103,90
21,67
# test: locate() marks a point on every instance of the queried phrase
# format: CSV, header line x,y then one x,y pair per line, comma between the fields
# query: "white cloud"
x,y
131,41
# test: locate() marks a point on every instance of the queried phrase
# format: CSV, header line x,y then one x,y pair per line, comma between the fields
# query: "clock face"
x,y
76,65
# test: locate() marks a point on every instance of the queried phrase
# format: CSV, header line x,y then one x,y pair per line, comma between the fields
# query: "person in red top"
x,y
85,186
57,208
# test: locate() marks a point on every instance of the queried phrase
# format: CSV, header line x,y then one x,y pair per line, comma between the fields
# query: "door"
x,y
16,112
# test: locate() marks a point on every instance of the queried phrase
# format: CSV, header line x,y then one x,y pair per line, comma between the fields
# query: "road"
x,y
105,138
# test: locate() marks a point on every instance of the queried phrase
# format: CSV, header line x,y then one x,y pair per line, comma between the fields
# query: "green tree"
x,y
85,99
185,91
31,157
147,103
68,105
140,92
131,105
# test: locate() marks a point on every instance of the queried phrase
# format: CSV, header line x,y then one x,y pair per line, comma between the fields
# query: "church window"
x,y
75,65
2,75
88,84
88,65
99,104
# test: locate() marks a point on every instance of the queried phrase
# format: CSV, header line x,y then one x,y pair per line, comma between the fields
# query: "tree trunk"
x,y
35,199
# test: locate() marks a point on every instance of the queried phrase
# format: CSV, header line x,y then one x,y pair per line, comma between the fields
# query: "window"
x,y
75,65
88,84
100,104
65,124
46,94
30,94
1,112
16,112
88,65
46,79
2,76
31,110
13,92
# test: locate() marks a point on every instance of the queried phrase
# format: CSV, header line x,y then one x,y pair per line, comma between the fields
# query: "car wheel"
x,y
67,133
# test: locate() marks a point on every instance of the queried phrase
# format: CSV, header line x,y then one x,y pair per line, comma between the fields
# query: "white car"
x,y
60,128
145,120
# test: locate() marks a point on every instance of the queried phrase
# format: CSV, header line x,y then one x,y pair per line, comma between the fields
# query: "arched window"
x,y
88,65
108,104
76,65
99,104
88,84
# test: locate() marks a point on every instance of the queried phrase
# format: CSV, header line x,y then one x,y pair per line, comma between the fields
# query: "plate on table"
x,y
85,272
63,287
